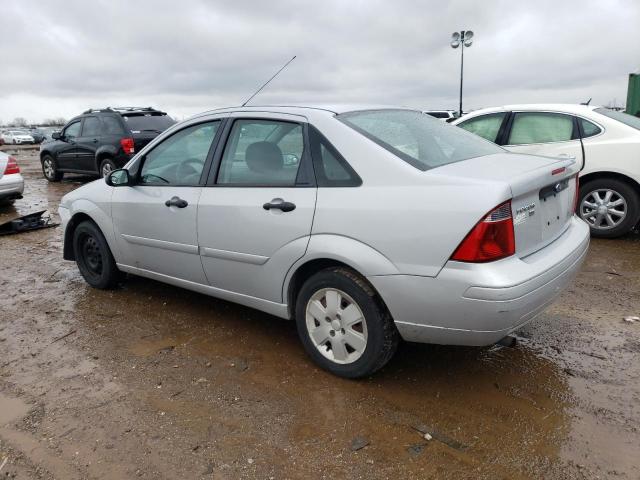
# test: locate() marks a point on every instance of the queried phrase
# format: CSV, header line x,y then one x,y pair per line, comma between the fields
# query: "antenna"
x,y
267,82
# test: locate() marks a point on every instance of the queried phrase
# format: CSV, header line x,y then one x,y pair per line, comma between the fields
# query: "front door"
x,y
87,144
155,220
255,217
545,133
67,152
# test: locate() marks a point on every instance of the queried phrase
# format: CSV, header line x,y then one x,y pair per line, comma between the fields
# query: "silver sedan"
x,y
11,181
364,225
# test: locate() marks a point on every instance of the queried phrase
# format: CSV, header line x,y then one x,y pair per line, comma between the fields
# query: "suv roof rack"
x,y
123,110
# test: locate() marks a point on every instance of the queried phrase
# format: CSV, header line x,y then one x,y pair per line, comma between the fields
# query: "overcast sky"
x,y
184,56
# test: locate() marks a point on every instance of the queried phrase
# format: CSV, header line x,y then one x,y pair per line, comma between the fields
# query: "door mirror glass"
x,y
56,135
118,178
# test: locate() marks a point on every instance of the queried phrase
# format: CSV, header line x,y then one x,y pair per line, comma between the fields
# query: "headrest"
x,y
264,157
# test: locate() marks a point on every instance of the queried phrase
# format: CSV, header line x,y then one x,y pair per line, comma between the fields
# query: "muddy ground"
x,y
150,381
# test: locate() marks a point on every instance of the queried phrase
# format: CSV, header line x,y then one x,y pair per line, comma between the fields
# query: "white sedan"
x,y
607,141
17,137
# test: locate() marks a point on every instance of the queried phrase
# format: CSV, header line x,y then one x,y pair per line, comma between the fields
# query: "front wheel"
x,y
93,256
344,327
611,207
50,169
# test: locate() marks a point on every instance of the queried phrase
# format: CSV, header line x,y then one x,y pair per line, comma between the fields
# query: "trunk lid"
x,y
543,191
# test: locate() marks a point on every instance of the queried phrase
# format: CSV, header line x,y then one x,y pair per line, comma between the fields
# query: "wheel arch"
x,y
103,153
610,174
326,251
74,221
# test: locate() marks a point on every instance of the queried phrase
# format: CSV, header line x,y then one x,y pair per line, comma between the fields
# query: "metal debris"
x,y
26,223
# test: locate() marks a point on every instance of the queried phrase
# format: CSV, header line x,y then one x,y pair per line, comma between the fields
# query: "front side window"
x,y
541,127
418,139
485,126
72,131
91,127
262,153
180,159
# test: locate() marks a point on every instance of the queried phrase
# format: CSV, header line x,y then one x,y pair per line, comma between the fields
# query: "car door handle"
x,y
176,202
279,204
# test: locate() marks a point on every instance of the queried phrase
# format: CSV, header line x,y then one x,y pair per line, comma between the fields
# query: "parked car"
x,y
38,135
11,181
99,141
444,115
365,226
607,141
17,137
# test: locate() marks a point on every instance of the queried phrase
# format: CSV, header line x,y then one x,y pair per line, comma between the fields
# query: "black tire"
x,y
53,175
623,190
382,336
93,256
106,163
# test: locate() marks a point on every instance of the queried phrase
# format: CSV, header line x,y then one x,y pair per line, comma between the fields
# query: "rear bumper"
x,y
11,186
478,304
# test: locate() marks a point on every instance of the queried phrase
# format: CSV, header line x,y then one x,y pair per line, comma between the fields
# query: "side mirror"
x,y
56,135
118,178
290,159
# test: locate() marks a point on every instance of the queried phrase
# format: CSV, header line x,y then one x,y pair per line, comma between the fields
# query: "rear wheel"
x,y
343,325
93,256
50,169
610,206
106,167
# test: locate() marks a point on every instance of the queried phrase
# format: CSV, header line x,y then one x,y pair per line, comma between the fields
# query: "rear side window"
x,y
148,123
589,129
112,126
262,153
485,126
541,127
91,127
331,169
418,139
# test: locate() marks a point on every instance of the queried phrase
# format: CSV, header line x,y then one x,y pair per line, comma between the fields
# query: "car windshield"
x,y
418,139
148,123
625,118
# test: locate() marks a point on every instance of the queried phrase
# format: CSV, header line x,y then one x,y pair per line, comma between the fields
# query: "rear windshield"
x,y
148,123
620,116
418,139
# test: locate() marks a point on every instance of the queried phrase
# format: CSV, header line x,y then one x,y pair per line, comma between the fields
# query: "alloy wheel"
x,y
336,325
603,209
106,169
48,168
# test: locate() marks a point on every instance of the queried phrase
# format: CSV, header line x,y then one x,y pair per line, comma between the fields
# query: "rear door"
x,y
155,220
67,146
544,133
87,144
255,215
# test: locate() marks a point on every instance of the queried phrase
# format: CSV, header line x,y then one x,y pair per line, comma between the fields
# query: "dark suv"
x,y
101,140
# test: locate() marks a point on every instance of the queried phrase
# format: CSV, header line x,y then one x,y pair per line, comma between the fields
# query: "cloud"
x,y
195,55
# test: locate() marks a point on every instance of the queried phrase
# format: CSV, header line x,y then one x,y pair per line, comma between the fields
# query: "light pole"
x,y
463,38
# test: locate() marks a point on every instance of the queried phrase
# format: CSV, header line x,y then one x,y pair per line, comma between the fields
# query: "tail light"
x,y
12,166
491,239
127,145
576,195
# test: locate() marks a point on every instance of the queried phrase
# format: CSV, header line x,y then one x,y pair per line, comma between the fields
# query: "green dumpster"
x,y
633,95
